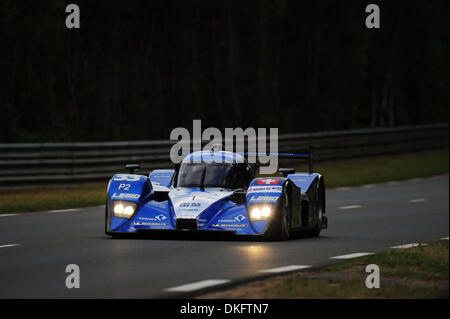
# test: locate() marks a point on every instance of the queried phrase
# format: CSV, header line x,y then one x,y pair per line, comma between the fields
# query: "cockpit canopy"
x,y
224,175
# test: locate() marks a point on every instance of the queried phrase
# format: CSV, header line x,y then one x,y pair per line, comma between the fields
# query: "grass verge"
x,y
337,173
420,272
383,168
48,199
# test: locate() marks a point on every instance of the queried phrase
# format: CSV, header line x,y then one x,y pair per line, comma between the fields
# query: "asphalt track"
x,y
35,248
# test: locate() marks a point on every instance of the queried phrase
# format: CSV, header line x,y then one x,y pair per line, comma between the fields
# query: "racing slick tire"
x,y
106,221
320,211
281,227
110,234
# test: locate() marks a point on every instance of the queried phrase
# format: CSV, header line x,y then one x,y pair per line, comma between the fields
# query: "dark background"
x,y
138,69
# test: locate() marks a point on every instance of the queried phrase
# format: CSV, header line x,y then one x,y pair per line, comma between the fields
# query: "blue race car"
x,y
216,191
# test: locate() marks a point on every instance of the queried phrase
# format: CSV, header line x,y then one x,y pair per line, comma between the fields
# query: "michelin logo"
x,y
230,225
149,224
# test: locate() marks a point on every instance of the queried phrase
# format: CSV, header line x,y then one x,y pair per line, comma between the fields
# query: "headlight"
x,y
258,212
265,212
124,209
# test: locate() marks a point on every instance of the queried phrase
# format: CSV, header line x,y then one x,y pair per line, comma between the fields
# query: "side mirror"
x,y
239,197
132,167
286,171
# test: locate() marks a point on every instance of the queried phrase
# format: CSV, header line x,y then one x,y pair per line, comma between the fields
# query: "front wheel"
x,y
106,219
281,228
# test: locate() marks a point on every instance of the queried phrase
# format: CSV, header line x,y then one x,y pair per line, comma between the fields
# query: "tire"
x,y
111,234
281,227
320,210
106,219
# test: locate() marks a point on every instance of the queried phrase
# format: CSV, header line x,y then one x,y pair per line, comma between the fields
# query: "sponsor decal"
x,y
150,224
230,225
146,218
126,178
161,217
125,187
264,198
300,179
156,218
265,189
269,181
190,205
125,196
238,218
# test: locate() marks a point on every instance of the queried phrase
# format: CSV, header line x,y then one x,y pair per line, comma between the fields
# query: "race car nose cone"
x,y
190,203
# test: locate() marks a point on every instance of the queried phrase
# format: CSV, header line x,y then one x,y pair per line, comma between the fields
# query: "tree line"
x,y
137,69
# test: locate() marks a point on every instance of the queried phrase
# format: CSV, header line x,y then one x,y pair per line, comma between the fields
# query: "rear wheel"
x,y
315,232
320,210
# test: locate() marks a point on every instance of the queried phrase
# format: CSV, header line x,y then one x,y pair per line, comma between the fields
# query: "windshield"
x,y
203,175
224,175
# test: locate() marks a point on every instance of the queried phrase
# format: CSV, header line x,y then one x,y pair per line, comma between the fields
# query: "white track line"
x,y
349,256
412,245
9,245
350,207
6,215
64,210
417,200
392,183
197,285
285,268
343,188
445,238
369,186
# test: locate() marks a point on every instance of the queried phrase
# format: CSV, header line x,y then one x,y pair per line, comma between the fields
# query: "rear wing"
x,y
306,156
